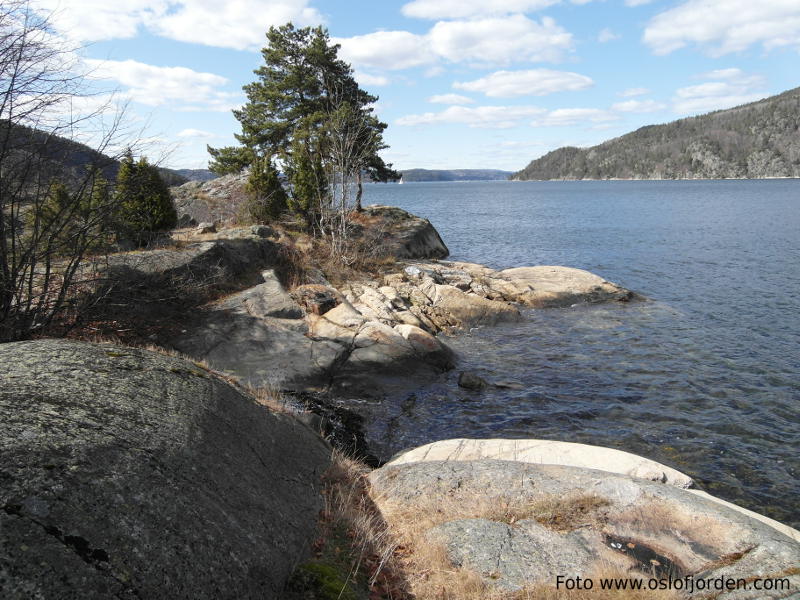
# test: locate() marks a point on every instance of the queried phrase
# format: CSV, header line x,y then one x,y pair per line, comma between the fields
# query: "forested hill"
x,y
454,174
751,141
74,157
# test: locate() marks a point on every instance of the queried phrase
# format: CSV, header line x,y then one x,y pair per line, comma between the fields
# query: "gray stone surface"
x,y
507,556
645,519
267,299
129,474
261,351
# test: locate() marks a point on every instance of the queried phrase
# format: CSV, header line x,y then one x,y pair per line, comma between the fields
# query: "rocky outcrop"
x,y
130,474
518,524
217,200
404,235
357,340
555,287
215,264
444,295
263,337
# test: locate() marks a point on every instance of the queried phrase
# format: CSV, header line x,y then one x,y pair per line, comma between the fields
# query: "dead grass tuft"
x,y
353,536
428,570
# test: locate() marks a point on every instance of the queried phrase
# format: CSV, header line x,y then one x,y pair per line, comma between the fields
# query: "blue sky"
x,y
462,83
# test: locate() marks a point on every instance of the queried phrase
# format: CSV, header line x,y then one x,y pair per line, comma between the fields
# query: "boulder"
x,y
383,359
217,200
552,287
206,227
489,516
224,264
130,474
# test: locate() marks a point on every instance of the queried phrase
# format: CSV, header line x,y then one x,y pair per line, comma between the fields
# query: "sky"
x,y
461,83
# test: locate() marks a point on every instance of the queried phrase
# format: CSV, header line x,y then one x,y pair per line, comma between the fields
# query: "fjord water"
x,y
705,376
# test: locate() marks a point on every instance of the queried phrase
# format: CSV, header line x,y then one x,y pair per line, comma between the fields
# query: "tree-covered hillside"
x,y
752,141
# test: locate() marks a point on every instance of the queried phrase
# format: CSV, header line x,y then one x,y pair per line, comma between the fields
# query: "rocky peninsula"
x,y
180,471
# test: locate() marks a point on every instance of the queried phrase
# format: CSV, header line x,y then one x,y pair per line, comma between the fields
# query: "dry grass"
x,y
428,571
353,534
660,517
267,396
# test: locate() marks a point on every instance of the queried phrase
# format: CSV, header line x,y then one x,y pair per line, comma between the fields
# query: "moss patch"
x,y
319,581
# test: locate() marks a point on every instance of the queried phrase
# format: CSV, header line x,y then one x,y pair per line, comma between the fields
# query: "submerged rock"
x,y
470,381
130,474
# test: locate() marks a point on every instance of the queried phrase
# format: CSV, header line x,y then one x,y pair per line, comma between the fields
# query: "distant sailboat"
x,y
400,182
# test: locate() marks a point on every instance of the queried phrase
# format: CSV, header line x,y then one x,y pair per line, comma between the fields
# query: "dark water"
x,y
705,377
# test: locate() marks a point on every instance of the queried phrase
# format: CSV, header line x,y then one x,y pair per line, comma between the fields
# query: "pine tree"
x,y
298,89
144,202
267,197
50,221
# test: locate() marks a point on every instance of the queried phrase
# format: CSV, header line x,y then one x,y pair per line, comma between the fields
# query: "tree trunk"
x,y
359,190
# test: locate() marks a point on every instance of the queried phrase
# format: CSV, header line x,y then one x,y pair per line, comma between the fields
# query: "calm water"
x,y
705,377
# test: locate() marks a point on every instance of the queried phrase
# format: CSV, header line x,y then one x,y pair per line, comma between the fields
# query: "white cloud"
x,y
574,116
638,106
731,87
93,20
637,2
534,82
457,9
195,133
500,40
630,92
496,40
450,99
370,80
239,24
724,26
182,88
606,35
387,50
732,73
489,117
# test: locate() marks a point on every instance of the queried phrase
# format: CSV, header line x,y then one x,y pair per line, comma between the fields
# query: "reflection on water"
x,y
703,378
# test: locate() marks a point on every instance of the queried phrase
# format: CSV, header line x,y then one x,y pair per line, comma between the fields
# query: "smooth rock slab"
x,y
130,474
552,287
261,351
546,452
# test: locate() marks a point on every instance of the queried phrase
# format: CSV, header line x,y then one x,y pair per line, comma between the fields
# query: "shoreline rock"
x,y
128,473
518,523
